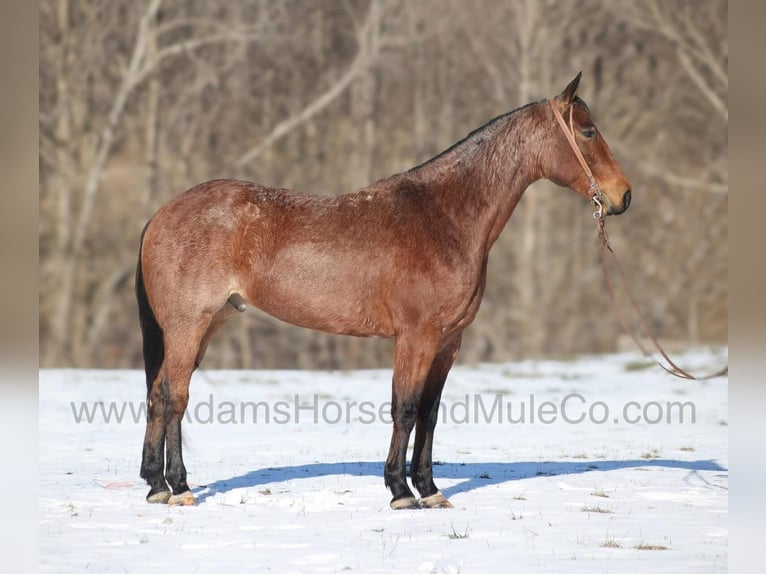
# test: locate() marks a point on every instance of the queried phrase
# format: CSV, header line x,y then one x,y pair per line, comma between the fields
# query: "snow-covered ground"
x,y
592,465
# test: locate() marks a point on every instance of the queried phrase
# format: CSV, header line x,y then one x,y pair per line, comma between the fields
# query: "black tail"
x,y
154,346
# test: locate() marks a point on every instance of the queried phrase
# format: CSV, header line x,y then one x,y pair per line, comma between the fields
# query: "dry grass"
x,y
638,366
455,535
654,453
596,509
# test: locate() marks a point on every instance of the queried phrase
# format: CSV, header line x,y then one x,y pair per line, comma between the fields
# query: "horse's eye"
x,y
589,133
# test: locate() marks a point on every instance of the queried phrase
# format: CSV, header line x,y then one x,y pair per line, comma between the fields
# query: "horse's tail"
x,y
154,346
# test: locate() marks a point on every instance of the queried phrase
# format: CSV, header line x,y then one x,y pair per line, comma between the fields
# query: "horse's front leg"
x,y
413,355
421,469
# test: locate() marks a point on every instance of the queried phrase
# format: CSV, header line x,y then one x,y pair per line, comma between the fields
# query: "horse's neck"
x,y
480,192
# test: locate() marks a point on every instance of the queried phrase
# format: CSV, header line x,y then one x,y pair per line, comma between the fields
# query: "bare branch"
x,y
705,54
710,95
188,46
106,136
674,179
139,68
685,53
367,53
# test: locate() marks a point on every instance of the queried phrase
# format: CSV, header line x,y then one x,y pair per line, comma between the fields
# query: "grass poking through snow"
x,y
455,535
596,509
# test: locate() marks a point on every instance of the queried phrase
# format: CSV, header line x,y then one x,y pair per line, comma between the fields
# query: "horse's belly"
x,y
335,298
314,311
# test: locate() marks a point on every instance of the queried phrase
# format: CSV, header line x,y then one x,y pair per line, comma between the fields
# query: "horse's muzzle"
x,y
617,210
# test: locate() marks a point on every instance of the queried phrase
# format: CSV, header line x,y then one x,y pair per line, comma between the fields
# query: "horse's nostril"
x,y
626,200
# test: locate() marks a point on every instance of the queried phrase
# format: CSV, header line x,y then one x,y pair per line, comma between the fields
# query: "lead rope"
x,y
674,369
596,198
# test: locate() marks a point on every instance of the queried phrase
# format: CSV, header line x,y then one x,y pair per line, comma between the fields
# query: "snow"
x,y
301,490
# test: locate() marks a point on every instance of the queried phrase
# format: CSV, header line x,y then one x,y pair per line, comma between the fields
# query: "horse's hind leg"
x,y
413,356
421,469
153,459
216,323
181,355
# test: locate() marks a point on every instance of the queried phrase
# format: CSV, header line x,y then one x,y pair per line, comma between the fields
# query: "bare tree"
x,y
141,100
76,202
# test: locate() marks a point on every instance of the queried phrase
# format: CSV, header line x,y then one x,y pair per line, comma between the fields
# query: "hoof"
x,y
435,501
160,497
183,499
409,502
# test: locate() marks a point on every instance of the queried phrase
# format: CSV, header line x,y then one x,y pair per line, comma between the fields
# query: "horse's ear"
x,y
568,95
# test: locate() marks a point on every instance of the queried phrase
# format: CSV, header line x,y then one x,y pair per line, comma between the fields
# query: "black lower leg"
x,y
153,456
421,470
152,467
428,414
395,472
176,471
422,477
175,405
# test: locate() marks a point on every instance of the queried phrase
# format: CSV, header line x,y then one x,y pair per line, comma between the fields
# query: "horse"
x,y
403,258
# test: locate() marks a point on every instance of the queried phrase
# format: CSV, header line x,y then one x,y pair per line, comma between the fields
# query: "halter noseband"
x,y
596,197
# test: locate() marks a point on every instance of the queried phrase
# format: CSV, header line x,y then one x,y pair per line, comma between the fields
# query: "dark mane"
x,y
470,142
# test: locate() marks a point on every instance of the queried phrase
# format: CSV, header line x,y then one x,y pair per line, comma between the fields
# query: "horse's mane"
x,y
471,142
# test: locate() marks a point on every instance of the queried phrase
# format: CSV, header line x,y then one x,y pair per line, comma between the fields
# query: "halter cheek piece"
x,y
596,197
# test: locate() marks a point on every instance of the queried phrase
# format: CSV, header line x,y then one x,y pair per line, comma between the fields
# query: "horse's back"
x,y
210,204
288,253
348,264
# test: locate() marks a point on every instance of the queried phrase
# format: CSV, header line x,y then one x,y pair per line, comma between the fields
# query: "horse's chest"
x,y
462,304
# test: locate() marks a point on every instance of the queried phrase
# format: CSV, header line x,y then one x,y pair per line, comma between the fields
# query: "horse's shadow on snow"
x,y
473,474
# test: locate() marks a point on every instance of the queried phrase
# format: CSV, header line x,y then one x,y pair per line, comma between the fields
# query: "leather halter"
x,y
596,197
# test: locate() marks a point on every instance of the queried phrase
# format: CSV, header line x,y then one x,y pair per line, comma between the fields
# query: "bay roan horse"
x,y
405,257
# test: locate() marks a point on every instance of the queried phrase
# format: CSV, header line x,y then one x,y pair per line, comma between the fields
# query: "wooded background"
x,y
140,100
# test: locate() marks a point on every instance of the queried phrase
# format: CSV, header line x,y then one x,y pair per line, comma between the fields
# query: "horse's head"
x,y
566,169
